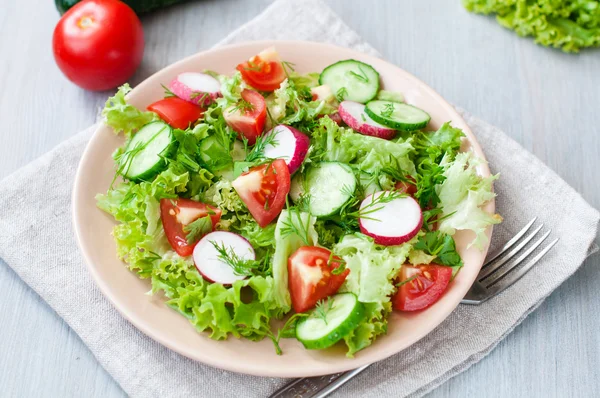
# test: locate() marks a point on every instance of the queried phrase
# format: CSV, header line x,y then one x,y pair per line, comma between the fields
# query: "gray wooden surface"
x,y
546,100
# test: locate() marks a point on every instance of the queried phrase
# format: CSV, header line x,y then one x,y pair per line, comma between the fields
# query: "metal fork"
x,y
495,276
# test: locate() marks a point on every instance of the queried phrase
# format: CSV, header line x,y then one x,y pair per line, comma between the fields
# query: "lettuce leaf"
x,y
566,24
293,230
462,195
122,117
373,269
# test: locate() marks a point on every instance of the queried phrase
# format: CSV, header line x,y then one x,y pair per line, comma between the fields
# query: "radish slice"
x,y
197,88
353,114
288,144
208,263
390,223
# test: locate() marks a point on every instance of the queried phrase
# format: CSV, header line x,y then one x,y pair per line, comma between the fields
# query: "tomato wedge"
x,y
409,188
176,112
248,118
176,214
263,190
263,71
310,276
426,284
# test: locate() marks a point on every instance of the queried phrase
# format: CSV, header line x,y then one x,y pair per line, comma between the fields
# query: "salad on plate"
x,y
319,199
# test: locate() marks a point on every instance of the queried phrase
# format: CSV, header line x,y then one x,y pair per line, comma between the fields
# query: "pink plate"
x,y
149,314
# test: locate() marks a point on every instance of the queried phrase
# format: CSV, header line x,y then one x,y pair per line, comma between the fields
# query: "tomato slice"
x,y
263,189
409,188
178,113
427,284
248,121
177,213
263,71
310,276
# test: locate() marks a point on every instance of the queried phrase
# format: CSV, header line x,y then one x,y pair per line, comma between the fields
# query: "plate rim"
x,y
138,323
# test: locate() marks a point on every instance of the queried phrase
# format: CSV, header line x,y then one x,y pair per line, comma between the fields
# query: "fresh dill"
x,y
404,282
239,265
203,96
362,76
258,150
337,264
288,67
168,92
242,106
388,110
197,229
286,331
341,94
295,225
322,309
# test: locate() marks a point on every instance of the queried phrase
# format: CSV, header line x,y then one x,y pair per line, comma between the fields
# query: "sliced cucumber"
x,y
144,157
398,116
326,326
327,186
351,80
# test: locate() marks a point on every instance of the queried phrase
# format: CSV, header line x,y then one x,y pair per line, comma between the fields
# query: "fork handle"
x,y
316,387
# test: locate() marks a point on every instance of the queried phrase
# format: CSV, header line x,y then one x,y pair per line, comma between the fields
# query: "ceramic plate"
x,y
149,314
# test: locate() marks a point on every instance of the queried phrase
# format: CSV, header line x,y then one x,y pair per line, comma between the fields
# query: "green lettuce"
x,y
123,117
566,24
293,230
373,269
462,195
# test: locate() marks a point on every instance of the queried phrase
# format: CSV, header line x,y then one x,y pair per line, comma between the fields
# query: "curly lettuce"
x,y
567,24
123,117
373,269
462,195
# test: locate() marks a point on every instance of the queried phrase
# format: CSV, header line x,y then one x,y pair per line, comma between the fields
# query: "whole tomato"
x,y
98,44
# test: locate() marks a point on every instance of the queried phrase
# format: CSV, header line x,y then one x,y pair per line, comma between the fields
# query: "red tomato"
x,y
263,71
98,44
176,214
310,278
249,121
177,112
409,188
429,282
263,189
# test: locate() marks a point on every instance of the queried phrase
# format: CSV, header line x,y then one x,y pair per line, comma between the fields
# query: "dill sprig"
x,y
239,265
341,94
322,309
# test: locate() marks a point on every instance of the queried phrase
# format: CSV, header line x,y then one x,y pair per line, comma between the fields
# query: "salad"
x,y
318,199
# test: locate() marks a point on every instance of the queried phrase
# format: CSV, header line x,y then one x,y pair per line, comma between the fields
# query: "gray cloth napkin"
x,y
144,368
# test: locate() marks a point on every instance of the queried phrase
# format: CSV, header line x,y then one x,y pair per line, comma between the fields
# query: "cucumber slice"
x,y
398,116
144,156
342,315
328,186
351,80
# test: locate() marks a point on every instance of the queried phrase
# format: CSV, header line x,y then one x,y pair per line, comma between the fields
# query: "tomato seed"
x,y
427,274
319,262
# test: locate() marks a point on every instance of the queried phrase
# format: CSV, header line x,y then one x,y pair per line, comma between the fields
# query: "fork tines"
x,y
500,271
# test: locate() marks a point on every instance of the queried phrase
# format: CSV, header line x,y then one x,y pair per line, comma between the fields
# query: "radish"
x,y
197,88
390,220
288,144
208,261
353,114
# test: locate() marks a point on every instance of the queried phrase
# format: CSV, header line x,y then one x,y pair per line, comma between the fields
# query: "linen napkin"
x,y
145,368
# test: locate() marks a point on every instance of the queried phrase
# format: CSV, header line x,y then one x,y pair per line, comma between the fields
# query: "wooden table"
x,y
546,100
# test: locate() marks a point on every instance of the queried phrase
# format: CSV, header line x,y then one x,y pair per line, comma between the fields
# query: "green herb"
x,y
362,76
288,330
322,309
388,110
430,217
441,245
404,282
288,67
168,93
242,106
338,264
429,175
203,96
197,229
241,266
258,150
298,227
341,94
362,116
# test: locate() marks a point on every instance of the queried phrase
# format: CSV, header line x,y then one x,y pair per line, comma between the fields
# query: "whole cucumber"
x,y
139,6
